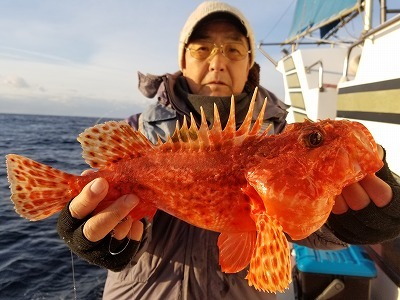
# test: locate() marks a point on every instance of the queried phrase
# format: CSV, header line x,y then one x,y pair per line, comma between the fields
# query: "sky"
x,y
81,57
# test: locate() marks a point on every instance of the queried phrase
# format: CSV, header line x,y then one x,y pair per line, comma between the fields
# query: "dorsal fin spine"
x,y
204,136
260,119
159,141
201,138
185,135
194,134
215,133
230,128
176,139
244,129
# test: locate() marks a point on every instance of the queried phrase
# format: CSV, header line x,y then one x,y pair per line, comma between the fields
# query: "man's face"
x,y
217,75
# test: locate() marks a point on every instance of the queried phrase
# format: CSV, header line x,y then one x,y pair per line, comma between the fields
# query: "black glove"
x,y
108,253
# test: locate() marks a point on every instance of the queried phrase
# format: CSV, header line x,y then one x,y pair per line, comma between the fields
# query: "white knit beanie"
x,y
205,9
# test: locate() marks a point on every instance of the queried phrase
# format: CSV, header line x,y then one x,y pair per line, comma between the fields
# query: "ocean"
x,y
34,262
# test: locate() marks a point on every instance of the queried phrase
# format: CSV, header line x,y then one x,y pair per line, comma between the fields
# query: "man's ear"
x,y
253,78
183,64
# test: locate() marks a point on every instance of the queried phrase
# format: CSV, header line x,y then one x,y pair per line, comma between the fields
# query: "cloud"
x,y
15,82
19,84
82,57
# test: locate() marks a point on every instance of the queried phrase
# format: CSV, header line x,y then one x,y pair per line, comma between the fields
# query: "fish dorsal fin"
x,y
110,142
200,138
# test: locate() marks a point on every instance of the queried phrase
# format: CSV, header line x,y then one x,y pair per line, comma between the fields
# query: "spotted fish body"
x,y
250,187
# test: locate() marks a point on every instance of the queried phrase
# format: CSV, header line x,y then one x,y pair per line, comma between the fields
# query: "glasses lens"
x,y
202,50
235,51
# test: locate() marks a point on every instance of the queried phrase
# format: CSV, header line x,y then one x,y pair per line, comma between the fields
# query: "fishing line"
x,y
73,275
122,250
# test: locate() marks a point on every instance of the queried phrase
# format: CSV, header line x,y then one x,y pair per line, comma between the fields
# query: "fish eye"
x,y
313,139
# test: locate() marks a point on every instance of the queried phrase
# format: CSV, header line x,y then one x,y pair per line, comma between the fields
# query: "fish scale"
x,y
250,187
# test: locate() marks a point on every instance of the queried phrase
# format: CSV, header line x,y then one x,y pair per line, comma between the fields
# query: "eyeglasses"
x,y
232,51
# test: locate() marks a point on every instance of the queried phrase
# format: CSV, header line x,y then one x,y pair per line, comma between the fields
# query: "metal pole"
x,y
267,55
383,11
368,15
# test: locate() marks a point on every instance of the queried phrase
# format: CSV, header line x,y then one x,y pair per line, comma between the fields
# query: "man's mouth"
x,y
216,82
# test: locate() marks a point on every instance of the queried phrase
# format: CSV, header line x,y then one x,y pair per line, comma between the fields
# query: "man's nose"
x,y
217,60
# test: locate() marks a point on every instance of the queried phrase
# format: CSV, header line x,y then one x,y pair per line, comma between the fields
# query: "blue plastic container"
x,y
315,270
353,261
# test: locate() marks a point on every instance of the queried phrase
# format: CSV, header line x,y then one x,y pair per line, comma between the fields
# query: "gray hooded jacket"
x,y
177,260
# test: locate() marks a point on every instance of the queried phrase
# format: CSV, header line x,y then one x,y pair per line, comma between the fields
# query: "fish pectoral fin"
x,y
270,266
235,250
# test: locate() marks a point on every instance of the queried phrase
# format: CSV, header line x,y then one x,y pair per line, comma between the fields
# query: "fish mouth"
x,y
357,159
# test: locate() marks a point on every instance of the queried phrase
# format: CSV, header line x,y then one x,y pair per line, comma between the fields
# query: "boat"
x,y
330,72
329,76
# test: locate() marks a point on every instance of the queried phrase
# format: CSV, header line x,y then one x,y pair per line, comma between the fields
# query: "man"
x,y
168,258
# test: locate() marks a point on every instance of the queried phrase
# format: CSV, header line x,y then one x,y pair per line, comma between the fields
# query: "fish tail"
x,y
37,191
270,266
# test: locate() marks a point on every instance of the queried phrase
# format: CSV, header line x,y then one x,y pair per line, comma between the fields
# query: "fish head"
x,y
314,162
337,151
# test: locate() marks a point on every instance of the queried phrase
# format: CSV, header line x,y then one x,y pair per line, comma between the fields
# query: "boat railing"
x,y
294,46
320,73
361,41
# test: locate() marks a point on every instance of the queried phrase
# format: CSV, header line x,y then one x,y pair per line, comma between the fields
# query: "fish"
x,y
255,189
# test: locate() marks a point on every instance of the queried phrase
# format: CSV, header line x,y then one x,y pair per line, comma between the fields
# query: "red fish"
x,y
250,187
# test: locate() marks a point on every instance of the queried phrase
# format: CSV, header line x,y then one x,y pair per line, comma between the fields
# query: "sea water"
x,y
34,262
